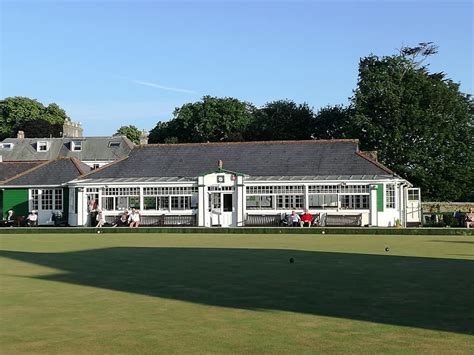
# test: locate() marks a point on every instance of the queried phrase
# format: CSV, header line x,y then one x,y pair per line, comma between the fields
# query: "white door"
x,y
413,206
221,208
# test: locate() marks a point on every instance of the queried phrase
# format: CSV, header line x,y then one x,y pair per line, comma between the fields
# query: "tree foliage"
x,y
131,132
22,113
282,120
209,120
333,122
420,122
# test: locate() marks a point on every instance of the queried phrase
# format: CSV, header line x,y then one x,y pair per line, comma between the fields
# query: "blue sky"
x,y
113,63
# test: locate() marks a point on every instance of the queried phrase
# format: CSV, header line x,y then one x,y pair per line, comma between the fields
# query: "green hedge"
x,y
243,230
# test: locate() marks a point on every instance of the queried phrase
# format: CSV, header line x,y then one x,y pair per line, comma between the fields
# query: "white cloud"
x,y
162,87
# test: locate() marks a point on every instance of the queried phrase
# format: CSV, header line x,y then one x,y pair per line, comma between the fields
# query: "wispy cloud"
x,y
162,87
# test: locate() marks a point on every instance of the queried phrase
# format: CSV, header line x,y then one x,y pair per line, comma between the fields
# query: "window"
x,y
121,203
259,190
95,166
260,202
134,202
114,144
155,191
413,195
163,202
149,203
390,196
122,191
354,202
326,201
76,146
42,146
35,199
180,202
289,201
108,203
6,146
47,200
58,199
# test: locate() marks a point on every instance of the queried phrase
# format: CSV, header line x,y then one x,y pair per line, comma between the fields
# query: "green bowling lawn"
x,y
200,293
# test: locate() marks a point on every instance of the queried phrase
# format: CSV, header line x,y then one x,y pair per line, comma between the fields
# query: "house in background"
x,y
39,185
253,181
93,151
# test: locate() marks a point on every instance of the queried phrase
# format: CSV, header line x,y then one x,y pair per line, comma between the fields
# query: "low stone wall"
x,y
440,207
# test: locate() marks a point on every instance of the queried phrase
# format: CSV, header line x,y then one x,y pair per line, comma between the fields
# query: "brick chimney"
x,y
144,137
371,154
20,135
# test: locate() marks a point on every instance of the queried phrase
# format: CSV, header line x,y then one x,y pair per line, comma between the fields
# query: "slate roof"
x,y
276,158
49,173
93,149
11,169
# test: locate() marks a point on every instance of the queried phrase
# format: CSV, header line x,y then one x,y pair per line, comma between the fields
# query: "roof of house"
x,y
93,148
48,173
275,158
14,168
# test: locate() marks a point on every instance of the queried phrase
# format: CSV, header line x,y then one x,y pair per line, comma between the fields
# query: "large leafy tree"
x,y
420,122
210,120
282,120
131,132
333,122
22,113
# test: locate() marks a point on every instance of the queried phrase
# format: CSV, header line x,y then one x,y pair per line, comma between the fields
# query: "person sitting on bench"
x,y
32,219
469,219
306,219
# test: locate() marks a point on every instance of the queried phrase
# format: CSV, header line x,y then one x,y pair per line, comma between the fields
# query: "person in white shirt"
x,y
134,218
100,218
295,219
32,219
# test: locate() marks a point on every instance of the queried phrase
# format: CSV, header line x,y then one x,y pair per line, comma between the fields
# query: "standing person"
x,y
295,219
10,218
100,218
134,218
306,218
92,211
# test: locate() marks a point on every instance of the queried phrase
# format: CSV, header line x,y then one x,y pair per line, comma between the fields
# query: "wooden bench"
x,y
336,220
271,220
160,221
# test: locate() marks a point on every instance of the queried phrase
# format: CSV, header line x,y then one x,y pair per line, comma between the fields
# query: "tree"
x,y
282,120
210,120
420,122
131,132
333,122
22,113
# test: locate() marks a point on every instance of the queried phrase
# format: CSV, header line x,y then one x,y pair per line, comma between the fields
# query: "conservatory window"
x,y
390,196
259,202
323,201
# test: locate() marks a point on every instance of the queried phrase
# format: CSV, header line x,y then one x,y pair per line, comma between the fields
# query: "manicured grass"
x,y
198,293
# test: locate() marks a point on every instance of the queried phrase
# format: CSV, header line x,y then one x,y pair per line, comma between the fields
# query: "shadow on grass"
x,y
407,291
453,241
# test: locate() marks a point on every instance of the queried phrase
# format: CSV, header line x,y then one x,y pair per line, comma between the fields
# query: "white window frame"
x,y
7,146
390,192
41,144
75,145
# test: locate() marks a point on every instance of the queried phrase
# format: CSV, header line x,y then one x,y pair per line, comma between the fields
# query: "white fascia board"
x,y
29,186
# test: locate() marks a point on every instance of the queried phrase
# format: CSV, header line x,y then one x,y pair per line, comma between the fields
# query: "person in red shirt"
x,y
306,219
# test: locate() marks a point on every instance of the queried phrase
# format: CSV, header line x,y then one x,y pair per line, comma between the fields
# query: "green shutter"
x,y
65,202
16,200
380,200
